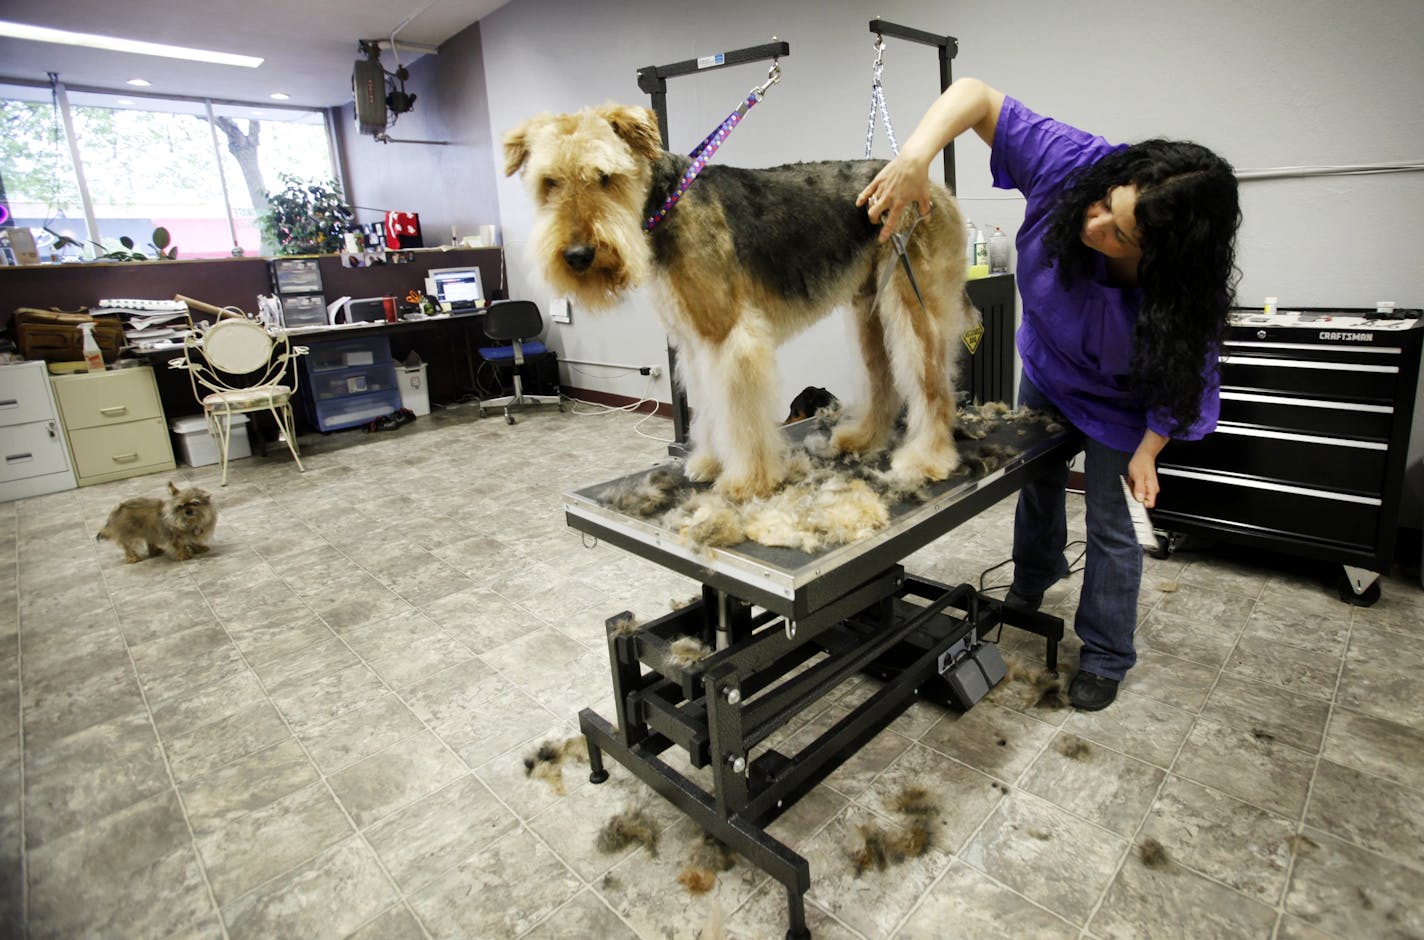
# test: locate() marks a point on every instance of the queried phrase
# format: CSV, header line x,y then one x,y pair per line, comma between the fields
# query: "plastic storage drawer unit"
x,y
350,382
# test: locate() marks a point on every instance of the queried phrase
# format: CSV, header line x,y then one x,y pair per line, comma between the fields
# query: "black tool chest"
x,y
1309,455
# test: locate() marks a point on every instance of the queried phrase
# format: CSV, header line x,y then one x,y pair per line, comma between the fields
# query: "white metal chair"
x,y
241,366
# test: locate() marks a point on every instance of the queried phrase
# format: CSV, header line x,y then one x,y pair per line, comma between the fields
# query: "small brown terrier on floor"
x,y
182,524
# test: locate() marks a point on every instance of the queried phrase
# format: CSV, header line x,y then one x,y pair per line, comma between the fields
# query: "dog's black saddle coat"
x,y
795,227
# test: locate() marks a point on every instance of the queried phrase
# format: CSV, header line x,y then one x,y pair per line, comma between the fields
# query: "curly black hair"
x,y
1187,216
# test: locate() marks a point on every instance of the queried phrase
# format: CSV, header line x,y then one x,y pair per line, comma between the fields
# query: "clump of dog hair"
x,y
708,856
547,762
648,495
1153,854
1074,748
679,604
1031,687
687,651
630,827
879,848
624,624
914,801
708,520
826,500
1169,587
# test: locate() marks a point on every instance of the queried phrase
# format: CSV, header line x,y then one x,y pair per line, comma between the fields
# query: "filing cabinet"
x,y
33,457
114,423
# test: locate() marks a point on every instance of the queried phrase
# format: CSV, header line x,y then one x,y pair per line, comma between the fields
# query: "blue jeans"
x,y
1112,575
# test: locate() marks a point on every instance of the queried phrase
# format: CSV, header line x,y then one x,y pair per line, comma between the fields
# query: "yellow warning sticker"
x,y
972,337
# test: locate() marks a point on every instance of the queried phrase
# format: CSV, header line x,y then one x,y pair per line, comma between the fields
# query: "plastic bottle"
x,y
998,252
92,357
1270,308
971,235
981,248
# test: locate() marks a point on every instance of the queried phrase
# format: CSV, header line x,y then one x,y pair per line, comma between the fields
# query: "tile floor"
x,y
317,730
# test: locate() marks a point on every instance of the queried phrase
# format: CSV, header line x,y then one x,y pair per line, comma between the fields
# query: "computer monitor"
x,y
459,288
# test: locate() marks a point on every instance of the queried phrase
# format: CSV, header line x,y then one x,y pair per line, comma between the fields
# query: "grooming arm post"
x,y
652,80
948,48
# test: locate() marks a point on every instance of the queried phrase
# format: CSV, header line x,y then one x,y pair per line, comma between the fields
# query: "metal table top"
x,y
794,583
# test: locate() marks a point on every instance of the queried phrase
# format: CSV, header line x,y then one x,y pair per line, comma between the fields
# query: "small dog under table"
x,y
787,628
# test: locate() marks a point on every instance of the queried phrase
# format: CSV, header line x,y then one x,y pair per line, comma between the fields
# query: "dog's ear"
x,y
172,489
516,147
636,126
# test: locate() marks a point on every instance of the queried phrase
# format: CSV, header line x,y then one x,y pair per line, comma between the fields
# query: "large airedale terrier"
x,y
749,258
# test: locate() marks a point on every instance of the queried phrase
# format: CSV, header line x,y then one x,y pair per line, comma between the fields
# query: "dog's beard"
x,y
618,266
197,523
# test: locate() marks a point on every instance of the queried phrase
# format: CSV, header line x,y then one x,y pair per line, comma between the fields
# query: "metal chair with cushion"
x,y
516,322
241,368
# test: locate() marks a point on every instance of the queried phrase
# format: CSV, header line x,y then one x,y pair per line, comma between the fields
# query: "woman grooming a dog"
x,y
1126,269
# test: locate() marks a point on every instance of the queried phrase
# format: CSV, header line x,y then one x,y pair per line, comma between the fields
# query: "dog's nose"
x,y
579,258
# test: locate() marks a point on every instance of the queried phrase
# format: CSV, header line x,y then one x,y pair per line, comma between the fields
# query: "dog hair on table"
x,y
181,525
747,259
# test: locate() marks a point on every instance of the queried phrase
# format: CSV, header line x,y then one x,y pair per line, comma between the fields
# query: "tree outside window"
x,y
151,162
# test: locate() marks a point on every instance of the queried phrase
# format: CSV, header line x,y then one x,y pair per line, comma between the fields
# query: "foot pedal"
x,y
971,678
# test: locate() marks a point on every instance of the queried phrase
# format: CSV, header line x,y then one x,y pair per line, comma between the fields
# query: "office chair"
x,y
516,322
241,365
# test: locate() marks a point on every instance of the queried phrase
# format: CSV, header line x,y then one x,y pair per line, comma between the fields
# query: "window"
x,y
152,162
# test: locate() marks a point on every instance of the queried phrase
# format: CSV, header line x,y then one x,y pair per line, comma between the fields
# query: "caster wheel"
x,y
509,419
1348,595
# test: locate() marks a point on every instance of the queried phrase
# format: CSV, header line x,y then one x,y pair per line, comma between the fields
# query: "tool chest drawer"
x,y
1337,463
1310,450
1305,415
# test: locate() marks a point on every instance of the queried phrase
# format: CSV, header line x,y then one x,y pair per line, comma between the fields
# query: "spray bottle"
x,y
92,357
998,252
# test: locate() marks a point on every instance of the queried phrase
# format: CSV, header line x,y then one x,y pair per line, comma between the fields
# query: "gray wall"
x,y
450,185
1269,84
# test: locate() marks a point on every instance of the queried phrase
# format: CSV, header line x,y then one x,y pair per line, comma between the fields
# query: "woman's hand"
x,y
901,183
905,181
1142,468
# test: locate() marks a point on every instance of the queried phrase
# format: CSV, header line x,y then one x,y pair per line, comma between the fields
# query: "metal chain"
x,y
877,103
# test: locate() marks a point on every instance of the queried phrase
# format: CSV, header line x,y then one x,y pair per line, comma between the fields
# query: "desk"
x,y
448,343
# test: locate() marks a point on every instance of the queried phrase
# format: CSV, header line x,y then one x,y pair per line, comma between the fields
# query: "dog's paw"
x,y
913,464
199,549
856,439
702,468
741,488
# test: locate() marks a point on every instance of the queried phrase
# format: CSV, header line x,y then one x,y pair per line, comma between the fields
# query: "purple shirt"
x,y
1076,341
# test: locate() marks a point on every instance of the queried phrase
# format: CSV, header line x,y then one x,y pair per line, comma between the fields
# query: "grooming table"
x,y
788,628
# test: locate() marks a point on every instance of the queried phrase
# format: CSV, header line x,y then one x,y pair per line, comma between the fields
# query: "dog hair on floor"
x,y
547,762
747,259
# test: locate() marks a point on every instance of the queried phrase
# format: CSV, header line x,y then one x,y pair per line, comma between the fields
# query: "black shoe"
x,y
1090,693
1030,602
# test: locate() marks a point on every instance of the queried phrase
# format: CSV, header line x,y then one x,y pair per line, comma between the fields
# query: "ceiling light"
x,y
279,96
114,44
123,101
139,82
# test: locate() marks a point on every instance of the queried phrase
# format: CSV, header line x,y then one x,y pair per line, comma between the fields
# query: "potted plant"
x,y
306,217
